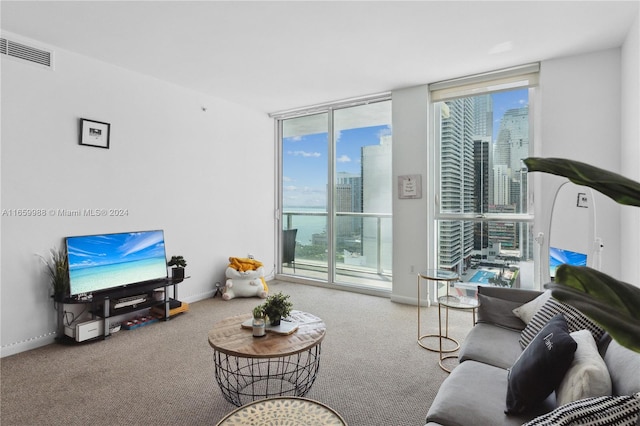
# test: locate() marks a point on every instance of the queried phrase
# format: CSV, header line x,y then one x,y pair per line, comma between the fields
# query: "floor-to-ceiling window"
x,y
482,132
335,191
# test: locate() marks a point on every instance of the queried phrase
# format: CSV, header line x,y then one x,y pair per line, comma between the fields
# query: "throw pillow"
x,y
540,367
499,312
528,310
598,411
587,376
575,319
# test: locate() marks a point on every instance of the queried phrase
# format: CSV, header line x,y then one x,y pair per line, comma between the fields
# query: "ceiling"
x,y
273,56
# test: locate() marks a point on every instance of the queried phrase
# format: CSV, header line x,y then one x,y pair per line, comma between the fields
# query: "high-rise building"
x,y
457,183
377,198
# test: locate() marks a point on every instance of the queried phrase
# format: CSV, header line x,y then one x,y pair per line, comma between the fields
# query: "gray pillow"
x,y
499,312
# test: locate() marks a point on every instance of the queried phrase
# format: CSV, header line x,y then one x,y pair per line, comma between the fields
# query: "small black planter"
x,y
177,274
276,321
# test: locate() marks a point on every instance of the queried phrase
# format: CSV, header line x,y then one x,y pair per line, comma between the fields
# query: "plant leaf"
x,y
617,187
613,304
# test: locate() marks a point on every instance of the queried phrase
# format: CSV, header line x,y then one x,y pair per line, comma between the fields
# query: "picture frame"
x,y
94,133
410,186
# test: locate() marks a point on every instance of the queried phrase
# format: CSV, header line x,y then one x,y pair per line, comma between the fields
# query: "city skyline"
x,y
305,164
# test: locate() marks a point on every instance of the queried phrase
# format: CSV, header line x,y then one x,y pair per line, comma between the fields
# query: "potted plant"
x,y
613,304
276,307
178,263
58,271
258,324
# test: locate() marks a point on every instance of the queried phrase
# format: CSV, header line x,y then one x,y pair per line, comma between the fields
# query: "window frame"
x,y
526,76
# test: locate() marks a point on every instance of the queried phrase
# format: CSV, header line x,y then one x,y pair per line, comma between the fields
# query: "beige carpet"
x,y
372,371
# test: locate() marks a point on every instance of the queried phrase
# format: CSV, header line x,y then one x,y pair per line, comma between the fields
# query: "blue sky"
x,y
109,249
305,158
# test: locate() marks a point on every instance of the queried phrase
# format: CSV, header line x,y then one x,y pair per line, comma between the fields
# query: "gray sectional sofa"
x,y
475,392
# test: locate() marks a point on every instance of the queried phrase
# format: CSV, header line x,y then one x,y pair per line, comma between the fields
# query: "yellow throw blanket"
x,y
243,264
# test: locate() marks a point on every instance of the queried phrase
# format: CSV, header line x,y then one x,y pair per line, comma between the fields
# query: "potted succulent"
x,y
613,304
258,322
58,271
276,307
178,263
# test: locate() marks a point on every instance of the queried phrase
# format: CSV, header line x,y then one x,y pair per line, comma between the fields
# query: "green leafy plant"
x,y
58,271
613,304
177,261
276,307
258,312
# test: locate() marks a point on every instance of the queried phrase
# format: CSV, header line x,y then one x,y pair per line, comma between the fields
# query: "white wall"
x,y
204,177
580,99
630,158
579,117
411,230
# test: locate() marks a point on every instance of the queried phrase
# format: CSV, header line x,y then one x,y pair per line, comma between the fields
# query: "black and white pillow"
x,y
598,411
552,307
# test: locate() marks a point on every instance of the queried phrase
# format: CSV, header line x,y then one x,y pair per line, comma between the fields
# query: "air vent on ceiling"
x,y
26,53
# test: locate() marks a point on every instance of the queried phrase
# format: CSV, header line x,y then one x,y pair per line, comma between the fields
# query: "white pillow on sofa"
x,y
588,375
528,310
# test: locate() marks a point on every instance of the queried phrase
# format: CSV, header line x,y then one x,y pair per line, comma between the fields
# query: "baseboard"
x,y
27,345
408,300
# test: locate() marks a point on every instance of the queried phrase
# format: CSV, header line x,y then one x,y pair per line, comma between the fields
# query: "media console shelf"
x,y
103,303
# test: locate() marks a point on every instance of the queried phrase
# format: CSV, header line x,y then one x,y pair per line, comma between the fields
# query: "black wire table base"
x,y
243,380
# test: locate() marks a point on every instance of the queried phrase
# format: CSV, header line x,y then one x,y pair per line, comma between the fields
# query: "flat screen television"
x,y
107,261
559,257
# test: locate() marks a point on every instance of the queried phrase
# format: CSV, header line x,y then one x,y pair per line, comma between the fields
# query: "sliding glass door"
x,y
335,192
304,183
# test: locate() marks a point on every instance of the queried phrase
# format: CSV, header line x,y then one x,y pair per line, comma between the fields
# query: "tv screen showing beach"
x,y
100,262
559,257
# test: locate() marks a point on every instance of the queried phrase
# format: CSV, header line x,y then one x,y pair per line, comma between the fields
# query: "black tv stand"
x,y
102,303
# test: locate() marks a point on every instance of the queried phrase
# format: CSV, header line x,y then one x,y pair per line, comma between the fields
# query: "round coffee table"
x,y
248,368
283,411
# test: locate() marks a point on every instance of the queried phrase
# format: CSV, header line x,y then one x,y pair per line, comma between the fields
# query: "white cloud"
x,y
304,154
343,159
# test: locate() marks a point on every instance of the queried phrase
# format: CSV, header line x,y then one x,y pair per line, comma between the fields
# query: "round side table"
x,y
283,411
459,303
436,275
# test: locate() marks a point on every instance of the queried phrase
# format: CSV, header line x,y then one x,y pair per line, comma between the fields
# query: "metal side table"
x,y
436,275
459,303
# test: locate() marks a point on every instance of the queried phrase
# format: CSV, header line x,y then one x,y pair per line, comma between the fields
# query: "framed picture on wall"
x,y
410,186
94,133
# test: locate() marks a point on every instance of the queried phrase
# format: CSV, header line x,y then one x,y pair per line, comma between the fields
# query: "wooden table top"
x,y
229,337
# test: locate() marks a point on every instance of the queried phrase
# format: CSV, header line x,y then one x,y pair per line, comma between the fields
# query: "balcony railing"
x,y
363,247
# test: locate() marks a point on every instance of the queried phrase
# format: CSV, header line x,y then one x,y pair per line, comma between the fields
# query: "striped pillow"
x,y
598,411
575,319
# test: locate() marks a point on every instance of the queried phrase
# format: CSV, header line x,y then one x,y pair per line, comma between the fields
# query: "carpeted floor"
x,y
372,371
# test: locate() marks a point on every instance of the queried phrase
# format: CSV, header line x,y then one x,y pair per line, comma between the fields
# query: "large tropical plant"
x,y
613,304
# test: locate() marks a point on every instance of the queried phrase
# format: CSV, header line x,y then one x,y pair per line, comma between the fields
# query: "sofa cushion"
x,y
491,345
575,319
540,367
597,411
624,368
588,375
526,311
499,312
474,394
